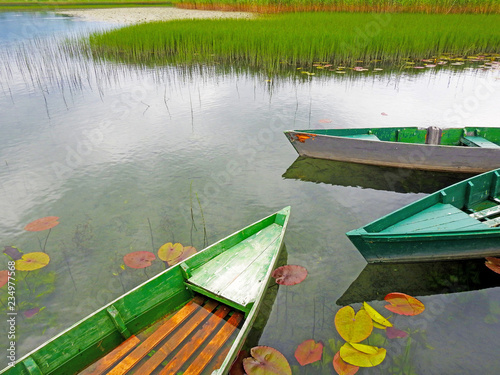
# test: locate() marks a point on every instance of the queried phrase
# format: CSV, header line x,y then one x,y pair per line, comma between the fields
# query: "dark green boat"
x,y
461,221
464,150
192,318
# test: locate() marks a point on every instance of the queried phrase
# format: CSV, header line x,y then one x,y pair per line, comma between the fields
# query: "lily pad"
x,y
32,261
404,304
237,366
289,274
265,360
353,327
376,316
362,355
13,252
4,277
308,352
169,252
493,264
139,259
187,251
42,224
342,367
394,333
32,312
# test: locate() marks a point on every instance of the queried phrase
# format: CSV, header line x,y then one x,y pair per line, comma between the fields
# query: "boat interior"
x,y
194,340
469,136
471,206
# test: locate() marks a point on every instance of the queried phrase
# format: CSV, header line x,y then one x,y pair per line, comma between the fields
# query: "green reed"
x,y
420,6
298,39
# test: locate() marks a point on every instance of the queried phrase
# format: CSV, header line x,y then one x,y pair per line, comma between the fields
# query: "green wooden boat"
x,y
465,150
461,221
192,318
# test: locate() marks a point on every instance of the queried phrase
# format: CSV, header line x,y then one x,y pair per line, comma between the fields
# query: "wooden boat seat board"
x,y
486,212
475,141
102,365
190,338
248,262
367,137
437,218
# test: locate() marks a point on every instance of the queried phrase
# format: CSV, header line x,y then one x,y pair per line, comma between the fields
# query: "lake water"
x,y
130,158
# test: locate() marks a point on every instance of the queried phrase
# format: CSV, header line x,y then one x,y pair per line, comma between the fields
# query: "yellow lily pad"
x,y
169,252
32,261
362,355
376,316
353,327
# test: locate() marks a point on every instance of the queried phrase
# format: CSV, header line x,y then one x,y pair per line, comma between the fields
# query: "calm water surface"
x,y
123,155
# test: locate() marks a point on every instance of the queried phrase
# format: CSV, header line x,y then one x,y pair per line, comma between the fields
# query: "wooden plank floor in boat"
x,y
437,218
193,340
238,273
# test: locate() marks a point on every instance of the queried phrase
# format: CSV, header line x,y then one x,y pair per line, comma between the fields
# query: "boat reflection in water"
x,y
399,180
419,279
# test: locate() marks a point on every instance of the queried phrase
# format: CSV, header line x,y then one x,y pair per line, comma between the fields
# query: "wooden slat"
x,y
153,340
485,213
195,343
220,272
245,288
111,358
478,142
493,222
210,351
176,339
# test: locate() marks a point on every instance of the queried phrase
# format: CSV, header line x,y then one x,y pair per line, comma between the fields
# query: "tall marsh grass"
x,y
293,39
414,6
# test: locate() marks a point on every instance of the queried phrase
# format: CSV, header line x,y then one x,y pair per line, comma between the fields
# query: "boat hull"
x,y
460,221
424,248
395,154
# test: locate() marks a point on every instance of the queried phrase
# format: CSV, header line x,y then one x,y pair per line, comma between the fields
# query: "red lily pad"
x,y
265,360
394,333
4,277
13,252
32,261
308,352
42,224
342,367
493,264
32,312
139,259
289,274
404,304
237,367
187,251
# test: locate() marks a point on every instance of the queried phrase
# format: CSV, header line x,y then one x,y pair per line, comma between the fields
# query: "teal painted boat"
x,y
461,221
192,318
464,150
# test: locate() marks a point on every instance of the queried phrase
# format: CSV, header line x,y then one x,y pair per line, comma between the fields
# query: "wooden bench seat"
x,y
475,141
190,339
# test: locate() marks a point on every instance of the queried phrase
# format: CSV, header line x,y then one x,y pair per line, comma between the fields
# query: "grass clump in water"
x,y
298,39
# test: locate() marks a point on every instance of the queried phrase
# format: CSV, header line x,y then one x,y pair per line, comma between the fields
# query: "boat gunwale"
x,y
349,139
